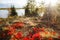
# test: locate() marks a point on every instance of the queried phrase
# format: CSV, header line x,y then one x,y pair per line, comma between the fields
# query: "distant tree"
x,y
35,13
30,13
27,11
13,11
30,9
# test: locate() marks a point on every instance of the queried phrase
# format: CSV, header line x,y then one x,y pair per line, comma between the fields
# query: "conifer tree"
x,y
13,11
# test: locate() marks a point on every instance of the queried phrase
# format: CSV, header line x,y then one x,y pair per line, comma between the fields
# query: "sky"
x,y
16,3
20,4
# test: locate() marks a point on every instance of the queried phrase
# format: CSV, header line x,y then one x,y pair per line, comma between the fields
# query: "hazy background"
x,y
20,4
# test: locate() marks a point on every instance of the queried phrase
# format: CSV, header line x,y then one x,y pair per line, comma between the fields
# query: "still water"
x,y
5,13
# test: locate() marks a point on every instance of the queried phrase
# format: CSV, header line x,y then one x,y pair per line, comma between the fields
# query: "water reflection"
x,y
3,13
21,12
